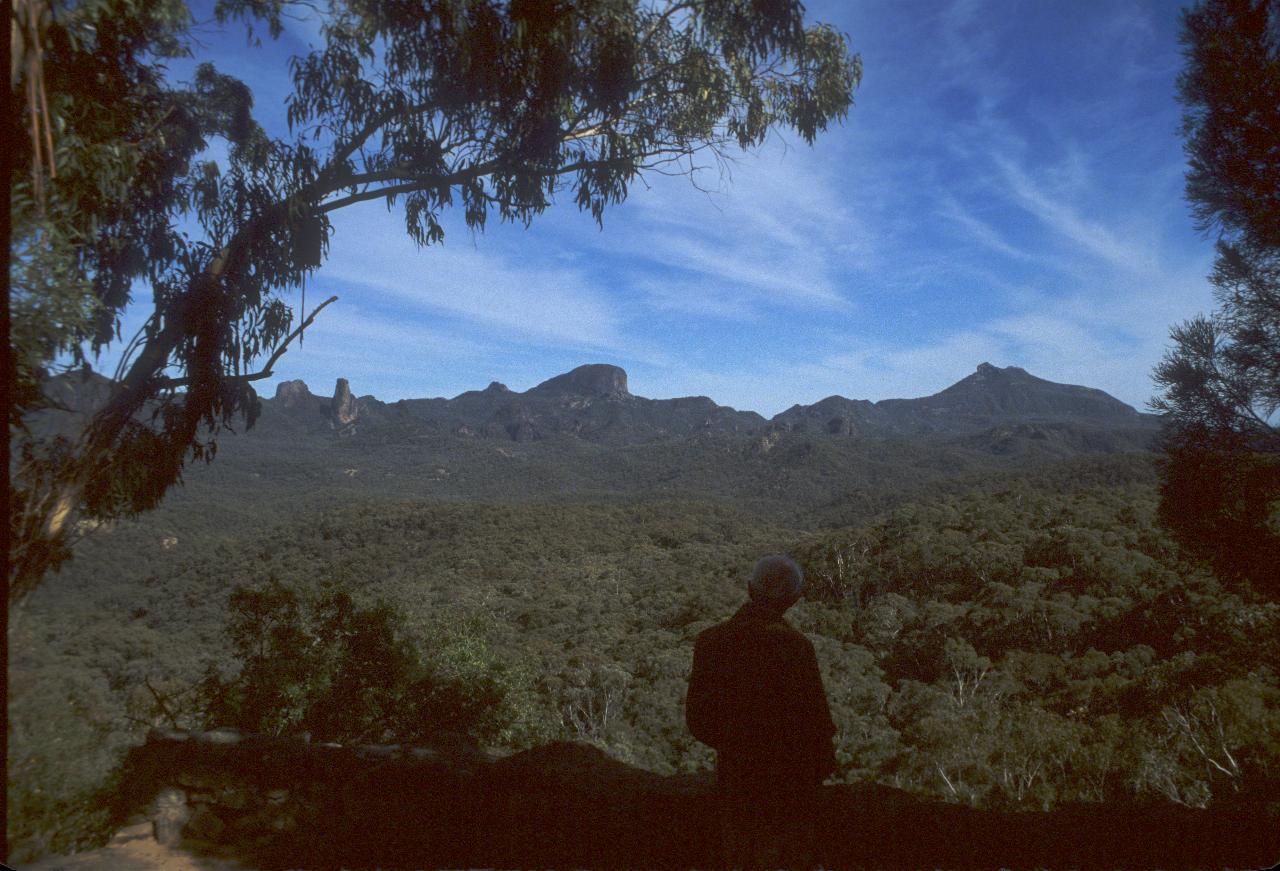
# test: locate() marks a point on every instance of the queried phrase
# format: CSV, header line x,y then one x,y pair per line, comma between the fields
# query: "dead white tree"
x,y
593,698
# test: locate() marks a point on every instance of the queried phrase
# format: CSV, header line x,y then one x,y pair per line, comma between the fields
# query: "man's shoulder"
x,y
793,635
715,633
735,628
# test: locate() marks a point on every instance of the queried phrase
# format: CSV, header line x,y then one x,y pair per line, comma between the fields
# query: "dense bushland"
x,y
1010,641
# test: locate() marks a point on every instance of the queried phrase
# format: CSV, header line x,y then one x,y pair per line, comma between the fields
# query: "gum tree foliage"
x,y
324,665
491,108
103,144
105,141
1220,382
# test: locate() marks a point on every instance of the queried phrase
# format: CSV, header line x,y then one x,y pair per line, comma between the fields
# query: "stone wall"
x,y
288,803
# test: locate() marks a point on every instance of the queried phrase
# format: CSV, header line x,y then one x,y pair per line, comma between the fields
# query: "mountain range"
x,y
592,403
583,435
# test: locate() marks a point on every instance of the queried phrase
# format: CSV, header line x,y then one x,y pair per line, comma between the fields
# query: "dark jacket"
x,y
756,696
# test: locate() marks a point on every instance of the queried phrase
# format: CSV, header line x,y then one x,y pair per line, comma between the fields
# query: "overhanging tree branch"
x,y
423,99
267,370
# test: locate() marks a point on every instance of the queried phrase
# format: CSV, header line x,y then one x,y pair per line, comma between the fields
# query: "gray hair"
x,y
776,579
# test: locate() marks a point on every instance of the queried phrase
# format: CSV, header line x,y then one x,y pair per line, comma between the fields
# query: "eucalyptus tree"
x,y
1220,382
487,107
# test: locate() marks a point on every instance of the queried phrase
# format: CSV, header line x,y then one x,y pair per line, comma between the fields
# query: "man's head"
x,y
776,581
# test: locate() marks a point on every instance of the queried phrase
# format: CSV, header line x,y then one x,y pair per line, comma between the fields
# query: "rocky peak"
x,y
344,409
987,371
80,390
497,387
593,379
291,394
1013,392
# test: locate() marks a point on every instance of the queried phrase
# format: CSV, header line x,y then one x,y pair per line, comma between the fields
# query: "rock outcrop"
x,y
593,379
344,409
293,394
517,421
280,802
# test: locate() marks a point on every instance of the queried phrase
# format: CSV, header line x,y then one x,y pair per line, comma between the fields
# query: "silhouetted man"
x,y
756,697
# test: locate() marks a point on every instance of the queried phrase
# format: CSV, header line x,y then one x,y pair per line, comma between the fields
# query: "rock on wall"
x,y
286,803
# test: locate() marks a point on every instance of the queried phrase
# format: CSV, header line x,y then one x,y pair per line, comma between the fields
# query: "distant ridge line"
x,y
604,379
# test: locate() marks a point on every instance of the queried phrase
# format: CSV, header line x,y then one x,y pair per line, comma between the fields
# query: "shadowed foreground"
x,y
285,803
134,849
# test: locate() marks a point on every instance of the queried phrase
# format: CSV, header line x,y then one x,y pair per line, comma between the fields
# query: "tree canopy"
x,y
1026,642
1220,381
491,108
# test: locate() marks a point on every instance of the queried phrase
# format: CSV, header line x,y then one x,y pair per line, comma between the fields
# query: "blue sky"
x,y
1007,188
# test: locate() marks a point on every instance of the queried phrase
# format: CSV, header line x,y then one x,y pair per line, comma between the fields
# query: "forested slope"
x,y
1019,639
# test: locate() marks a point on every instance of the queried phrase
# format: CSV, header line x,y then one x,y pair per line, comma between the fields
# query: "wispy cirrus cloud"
x,y
1060,217
774,234
982,232
699,300
524,300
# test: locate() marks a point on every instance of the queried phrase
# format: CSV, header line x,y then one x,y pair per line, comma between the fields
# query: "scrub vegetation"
x,y
1022,639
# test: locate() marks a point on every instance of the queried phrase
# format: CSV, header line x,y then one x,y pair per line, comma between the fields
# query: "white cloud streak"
x,y
1063,220
527,301
774,235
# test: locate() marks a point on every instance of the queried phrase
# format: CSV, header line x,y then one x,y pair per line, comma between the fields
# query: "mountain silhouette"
x,y
593,403
995,409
